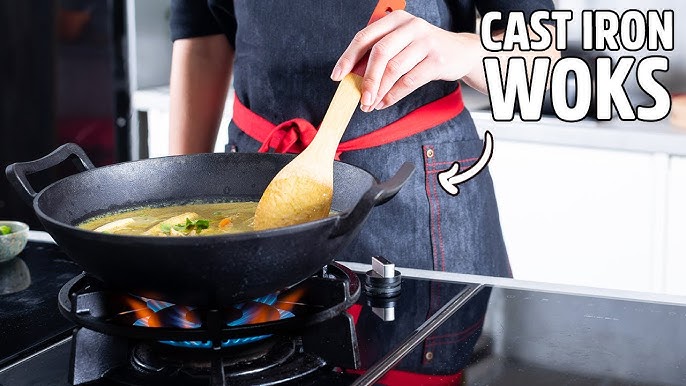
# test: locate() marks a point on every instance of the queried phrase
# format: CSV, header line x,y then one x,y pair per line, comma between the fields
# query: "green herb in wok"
x,y
197,225
5,230
165,228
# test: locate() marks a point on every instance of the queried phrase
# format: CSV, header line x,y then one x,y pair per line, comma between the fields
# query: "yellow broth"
x,y
178,220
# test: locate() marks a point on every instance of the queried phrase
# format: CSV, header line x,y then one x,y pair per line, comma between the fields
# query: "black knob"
x,y
383,280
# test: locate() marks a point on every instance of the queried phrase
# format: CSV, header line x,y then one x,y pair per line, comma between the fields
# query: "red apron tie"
x,y
294,135
291,136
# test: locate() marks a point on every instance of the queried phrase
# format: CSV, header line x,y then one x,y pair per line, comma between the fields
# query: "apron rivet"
x,y
429,355
430,153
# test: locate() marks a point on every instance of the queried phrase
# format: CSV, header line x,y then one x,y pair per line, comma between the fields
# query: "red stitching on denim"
x,y
451,162
442,170
434,248
427,185
432,192
438,224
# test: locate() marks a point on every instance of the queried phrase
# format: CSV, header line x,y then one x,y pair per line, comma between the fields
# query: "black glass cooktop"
x,y
537,338
498,337
29,285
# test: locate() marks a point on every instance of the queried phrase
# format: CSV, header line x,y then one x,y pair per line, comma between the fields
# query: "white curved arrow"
x,y
449,179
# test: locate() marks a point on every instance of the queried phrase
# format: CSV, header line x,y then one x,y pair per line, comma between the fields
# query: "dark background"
x,y
63,77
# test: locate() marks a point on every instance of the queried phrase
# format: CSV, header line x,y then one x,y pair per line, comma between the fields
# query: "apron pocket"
x,y
465,229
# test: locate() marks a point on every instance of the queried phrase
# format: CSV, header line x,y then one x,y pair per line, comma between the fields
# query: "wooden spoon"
x,y
303,190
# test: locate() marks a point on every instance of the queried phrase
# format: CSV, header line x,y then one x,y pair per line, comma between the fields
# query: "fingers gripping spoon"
x,y
303,190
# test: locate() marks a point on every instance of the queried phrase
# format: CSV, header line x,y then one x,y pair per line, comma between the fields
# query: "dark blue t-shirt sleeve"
x,y
507,6
195,18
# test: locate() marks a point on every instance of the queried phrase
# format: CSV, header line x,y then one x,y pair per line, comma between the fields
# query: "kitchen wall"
x,y
675,79
596,203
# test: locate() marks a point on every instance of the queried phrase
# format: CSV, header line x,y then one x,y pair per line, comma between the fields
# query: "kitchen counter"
x,y
531,285
39,236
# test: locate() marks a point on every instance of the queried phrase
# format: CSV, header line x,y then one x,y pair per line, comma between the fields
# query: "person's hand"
x,y
406,53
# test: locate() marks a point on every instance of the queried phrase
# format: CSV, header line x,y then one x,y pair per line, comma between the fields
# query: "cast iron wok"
x,y
209,270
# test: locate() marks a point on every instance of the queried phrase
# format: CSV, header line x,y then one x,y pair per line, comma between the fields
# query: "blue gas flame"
x,y
177,317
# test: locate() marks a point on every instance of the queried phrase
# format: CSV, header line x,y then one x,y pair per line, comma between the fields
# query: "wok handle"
x,y
378,194
17,172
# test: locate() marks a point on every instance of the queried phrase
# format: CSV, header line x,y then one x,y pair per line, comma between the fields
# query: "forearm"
x,y
200,75
476,78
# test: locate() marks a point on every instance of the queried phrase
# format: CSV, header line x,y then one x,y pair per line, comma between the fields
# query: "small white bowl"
x,y
12,244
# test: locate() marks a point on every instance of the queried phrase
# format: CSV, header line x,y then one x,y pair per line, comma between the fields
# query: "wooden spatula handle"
x,y
337,117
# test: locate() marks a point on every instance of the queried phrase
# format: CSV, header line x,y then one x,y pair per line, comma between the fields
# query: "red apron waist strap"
x,y
294,135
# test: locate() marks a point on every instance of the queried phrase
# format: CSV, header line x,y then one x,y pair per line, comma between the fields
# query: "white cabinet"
x,y
675,275
580,216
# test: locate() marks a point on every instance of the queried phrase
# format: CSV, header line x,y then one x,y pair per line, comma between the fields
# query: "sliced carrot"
x,y
225,222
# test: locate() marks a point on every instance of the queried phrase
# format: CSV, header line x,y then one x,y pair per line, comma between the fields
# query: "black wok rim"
x,y
186,240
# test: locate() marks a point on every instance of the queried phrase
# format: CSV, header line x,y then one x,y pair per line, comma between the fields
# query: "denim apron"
x,y
284,55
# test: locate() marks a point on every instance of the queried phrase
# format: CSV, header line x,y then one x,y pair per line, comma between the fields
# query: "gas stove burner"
x,y
282,338
245,362
90,304
272,361
268,308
